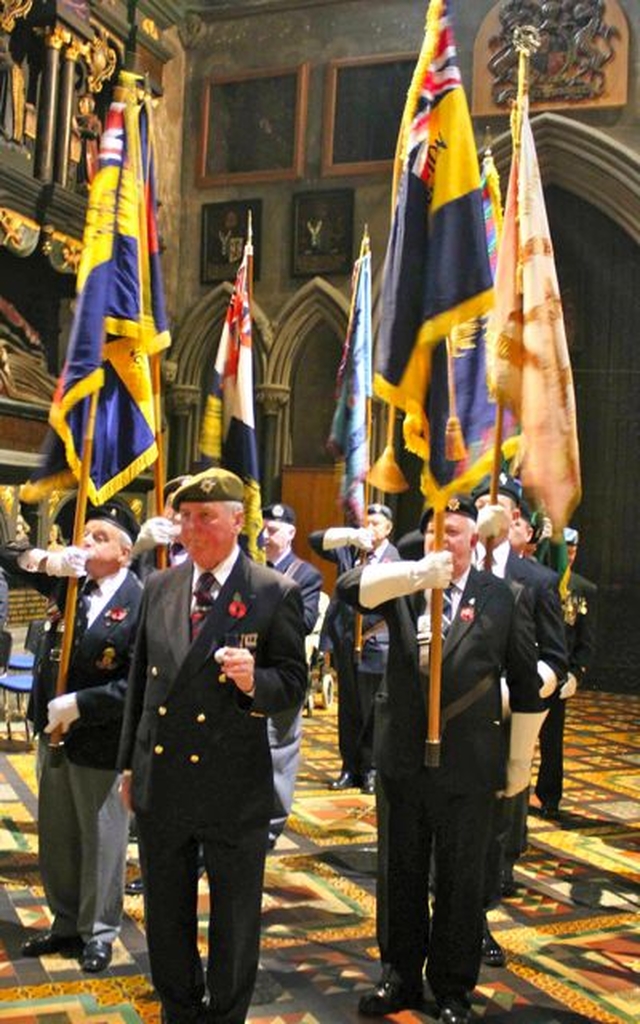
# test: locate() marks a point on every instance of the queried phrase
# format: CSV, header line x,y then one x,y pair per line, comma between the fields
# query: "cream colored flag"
x,y
529,367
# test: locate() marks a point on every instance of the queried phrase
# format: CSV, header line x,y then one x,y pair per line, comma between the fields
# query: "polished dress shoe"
x,y
389,997
135,887
454,1011
346,780
550,812
508,885
492,952
96,955
369,782
48,942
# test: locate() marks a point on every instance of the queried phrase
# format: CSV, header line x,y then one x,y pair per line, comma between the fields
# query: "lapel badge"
x,y
467,614
107,659
237,609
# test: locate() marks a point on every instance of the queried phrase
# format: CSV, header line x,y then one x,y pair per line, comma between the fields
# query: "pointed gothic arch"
x,y
584,160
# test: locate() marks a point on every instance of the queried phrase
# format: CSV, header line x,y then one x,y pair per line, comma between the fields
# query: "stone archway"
x,y
586,161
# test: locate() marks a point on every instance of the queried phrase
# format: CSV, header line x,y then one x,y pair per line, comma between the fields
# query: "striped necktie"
x,y
204,595
447,608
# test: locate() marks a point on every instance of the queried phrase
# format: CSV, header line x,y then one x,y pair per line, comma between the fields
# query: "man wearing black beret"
x,y
220,647
82,825
285,729
446,810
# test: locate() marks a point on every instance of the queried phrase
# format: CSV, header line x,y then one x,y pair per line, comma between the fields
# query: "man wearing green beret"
x,y
220,648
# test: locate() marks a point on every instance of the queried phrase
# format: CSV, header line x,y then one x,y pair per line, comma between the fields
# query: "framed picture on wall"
x,y
253,127
224,234
322,233
363,106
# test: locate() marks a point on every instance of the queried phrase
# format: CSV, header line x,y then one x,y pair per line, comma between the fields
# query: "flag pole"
x,y
71,601
526,41
432,744
365,248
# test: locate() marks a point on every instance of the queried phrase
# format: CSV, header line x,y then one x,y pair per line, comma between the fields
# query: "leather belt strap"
x,y
470,697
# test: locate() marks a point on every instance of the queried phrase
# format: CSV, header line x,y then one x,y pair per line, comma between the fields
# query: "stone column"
x,y
273,398
182,405
48,104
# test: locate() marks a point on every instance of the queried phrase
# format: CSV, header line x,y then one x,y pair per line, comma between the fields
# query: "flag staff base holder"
x,y
432,753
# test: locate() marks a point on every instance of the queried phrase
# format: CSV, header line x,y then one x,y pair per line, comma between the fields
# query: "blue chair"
x,y
19,661
17,683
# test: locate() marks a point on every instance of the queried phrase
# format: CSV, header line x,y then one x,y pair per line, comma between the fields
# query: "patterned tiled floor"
x,y
572,932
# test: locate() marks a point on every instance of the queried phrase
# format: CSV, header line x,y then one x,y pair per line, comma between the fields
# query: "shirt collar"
x,y
222,570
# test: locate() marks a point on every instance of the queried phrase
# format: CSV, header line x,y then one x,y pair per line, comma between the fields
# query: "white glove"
x,y
155,531
339,536
63,711
67,562
548,679
569,687
522,740
493,521
383,582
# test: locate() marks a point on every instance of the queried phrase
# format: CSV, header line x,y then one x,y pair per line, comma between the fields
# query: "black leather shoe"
x,y
135,887
346,780
550,812
369,782
96,955
47,942
454,1011
492,952
389,997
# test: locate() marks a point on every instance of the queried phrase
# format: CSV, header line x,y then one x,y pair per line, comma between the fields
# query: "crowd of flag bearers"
x,y
191,688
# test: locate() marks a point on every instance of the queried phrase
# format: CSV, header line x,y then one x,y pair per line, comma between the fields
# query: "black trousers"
x,y
416,820
169,853
551,770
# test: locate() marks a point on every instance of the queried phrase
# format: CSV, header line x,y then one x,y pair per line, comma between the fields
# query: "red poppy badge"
x,y
237,609
116,614
467,614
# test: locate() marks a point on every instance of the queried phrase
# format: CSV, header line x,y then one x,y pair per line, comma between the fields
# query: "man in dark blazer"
x,y
359,672
443,810
210,665
498,523
285,729
579,614
82,825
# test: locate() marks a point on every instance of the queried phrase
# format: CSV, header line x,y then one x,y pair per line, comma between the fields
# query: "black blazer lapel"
x,y
465,614
176,604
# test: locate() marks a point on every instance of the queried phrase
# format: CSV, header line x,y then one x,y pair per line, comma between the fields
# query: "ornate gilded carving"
x,y
576,43
62,251
12,10
57,37
101,61
8,498
18,233
149,26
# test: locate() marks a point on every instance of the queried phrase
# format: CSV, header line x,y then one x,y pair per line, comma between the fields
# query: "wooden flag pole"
x,y
433,696
71,602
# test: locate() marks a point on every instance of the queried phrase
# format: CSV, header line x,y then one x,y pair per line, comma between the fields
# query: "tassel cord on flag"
x,y
56,740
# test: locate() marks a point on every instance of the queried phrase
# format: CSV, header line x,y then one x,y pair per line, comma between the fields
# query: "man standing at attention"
x,y
220,647
446,810
82,825
359,655
285,729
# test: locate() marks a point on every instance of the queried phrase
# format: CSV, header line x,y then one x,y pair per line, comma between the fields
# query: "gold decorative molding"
x,y
8,499
18,233
62,251
12,11
149,26
101,61
57,37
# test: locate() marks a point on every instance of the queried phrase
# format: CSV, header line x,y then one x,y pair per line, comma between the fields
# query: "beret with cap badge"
x,y
215,484
459,503
279,513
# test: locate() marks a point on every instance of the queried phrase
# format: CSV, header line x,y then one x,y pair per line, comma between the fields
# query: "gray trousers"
x,y
285,737
82,834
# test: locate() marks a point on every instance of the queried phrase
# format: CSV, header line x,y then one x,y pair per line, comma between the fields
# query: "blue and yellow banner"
x,y
120,318
437,278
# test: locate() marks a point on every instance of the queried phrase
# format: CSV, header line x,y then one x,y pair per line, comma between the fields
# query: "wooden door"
x,y
313,493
